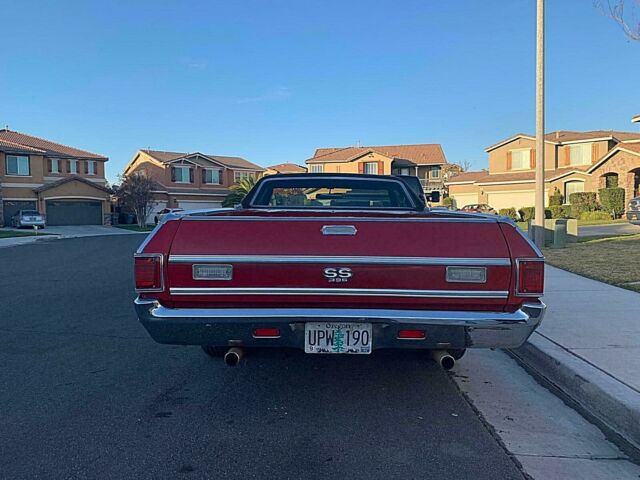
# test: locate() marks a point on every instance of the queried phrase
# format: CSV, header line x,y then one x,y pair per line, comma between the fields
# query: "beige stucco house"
x,y
574,162
66,184
284,168
190,180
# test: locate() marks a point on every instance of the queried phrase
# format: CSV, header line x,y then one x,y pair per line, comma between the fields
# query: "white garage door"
x,y
198,205
516,200
462,199
156,207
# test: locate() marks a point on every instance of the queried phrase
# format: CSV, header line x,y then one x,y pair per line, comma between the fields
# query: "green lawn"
x,y
136,228
14,233
612,260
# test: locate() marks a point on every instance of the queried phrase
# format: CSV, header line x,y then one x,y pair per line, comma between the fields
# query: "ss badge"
x,y
337,275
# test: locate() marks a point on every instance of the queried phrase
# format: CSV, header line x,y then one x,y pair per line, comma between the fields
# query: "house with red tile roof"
x,y
64,183
574,162
285,168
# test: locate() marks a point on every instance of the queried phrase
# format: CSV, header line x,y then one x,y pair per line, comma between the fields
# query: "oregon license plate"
x,y
337,337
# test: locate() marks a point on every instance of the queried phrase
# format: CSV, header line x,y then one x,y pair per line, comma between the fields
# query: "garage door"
x,y
462,199
198,205
11,208
74,212
516,200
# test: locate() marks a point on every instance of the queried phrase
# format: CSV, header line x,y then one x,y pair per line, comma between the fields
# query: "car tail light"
x,y
412,334
266,332
530,277
148,272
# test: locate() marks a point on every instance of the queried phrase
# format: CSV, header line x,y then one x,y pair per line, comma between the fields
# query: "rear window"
x,y
331,193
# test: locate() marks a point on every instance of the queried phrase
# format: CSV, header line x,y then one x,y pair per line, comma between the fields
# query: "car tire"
x,y
215,352
457,353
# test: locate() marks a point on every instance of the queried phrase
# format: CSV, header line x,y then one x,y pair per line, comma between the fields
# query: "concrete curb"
x,y
608,400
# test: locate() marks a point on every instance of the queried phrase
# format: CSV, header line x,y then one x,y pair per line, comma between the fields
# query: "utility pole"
x,y
538,227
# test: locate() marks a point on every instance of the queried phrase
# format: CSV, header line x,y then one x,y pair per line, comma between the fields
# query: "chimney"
x,y
557,135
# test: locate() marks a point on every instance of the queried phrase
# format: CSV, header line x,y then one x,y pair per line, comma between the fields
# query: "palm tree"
x,y
239,191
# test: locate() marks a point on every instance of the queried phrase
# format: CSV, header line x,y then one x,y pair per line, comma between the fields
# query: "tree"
x,y
625,13
239,191
135,194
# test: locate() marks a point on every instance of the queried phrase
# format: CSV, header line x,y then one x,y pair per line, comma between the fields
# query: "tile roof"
x,y
468,177
421,154
231,162
72,178
634,147
45,146
485,177
10,147
287,168
568,136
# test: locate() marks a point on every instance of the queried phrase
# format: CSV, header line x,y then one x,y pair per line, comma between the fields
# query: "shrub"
x,y
529,213
509,212
447,202
595,216
567,212
583,202
555,199
556,211
612,200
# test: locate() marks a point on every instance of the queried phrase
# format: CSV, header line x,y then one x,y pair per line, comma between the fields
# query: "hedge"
x,y
583,202
555,199
612,200
509,212
447,201
595,216
529,213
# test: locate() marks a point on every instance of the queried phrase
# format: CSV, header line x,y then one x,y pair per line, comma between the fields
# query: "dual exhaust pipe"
x,y
441,357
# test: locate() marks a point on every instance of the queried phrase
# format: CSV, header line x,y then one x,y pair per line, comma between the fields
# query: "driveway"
x,y
611,229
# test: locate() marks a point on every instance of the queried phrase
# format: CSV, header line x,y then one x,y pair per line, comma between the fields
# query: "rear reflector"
x,y
412,334
266,332
530,277
148,272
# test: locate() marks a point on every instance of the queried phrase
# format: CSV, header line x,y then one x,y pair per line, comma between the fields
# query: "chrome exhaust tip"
x,y
442,358
233,356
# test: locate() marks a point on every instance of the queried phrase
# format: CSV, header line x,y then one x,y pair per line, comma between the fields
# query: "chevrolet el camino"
x,y
338,264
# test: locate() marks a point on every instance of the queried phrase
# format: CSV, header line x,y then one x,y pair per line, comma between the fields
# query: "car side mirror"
x,y
435,196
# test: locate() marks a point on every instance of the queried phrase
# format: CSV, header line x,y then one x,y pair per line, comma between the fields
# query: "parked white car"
x,y
164,212
28,218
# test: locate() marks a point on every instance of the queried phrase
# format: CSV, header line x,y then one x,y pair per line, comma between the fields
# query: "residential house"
x,y
66,184
190,180
426,161
574,162
284,168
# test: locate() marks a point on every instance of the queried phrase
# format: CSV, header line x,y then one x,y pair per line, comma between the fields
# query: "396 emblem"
x,y
337,275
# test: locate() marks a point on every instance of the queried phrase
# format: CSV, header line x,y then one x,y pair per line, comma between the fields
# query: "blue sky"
x,y
272,80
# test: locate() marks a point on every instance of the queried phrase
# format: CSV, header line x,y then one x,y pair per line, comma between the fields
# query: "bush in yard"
x,y
509,212
556,211
529,213
567,212
583,202
612,200
555,199
447,202
595,216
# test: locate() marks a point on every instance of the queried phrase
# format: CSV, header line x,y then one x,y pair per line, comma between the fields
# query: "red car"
x,y
479,208
338,263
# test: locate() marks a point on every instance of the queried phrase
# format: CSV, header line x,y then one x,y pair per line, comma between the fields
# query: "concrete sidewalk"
x,y
70,231
589,346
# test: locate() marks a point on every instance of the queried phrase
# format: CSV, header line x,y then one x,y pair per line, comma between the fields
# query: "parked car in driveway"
x,y
479,208
164,212
28,218
338,263
633,212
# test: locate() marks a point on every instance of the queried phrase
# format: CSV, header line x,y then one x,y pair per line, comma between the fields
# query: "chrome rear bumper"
x,y
234,326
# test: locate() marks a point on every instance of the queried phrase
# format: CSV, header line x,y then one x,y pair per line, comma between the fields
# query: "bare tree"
x,y
625,13
465,165
135,193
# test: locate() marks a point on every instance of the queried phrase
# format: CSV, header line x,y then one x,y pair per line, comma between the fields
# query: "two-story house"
x,y
574,162
66,184
426,161
190,180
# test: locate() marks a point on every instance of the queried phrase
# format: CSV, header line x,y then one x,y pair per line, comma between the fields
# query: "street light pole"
x,y
538,228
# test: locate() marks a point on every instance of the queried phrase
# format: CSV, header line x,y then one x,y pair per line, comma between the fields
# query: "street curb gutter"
x,y
608,400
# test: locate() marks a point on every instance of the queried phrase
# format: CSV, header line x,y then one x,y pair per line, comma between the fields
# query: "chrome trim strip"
x,y
347,260
396,219
152,255
358,292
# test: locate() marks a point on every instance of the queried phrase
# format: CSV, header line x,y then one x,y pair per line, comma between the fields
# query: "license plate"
x,y
337,337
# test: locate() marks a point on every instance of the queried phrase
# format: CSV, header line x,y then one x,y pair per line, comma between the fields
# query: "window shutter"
x,y
509,160
49,165
361,167
595,151
204,176
567,156
173,174
86,167
68,166
191,175
380,167
532,158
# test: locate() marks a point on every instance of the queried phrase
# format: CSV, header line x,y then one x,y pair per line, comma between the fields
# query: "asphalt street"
x,y
85,393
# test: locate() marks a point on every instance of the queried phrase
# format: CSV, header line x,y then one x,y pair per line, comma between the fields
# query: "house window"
x,y
211,176
73,166
520,159
316,168
181,174
580,154
55,165
91,167
371,168
435,172
574,186
18,165
239,176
